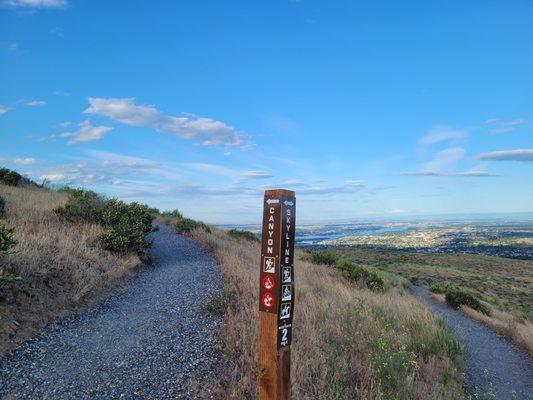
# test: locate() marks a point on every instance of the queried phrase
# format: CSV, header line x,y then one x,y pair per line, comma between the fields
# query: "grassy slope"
x,y
62,265
507,281
506,284
348,342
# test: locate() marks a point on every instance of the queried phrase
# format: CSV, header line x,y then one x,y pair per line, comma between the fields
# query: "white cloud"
x,y
445,160
35,3
421,173
475,174
77,174
472,174
525,155
212,169
498,126
19,160
87,132
24,161
3,110
206,130
53,178
65,124
439,134
290,183
257,175
35,103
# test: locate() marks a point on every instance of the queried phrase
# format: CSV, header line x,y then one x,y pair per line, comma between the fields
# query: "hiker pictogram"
x,y
286,293
270,263
286,274
285,311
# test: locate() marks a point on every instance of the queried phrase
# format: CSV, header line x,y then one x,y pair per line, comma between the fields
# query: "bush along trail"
x,y
148,343
494,367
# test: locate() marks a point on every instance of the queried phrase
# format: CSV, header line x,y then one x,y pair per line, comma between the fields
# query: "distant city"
x,y
503,237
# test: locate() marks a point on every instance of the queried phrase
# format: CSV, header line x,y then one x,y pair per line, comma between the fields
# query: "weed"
x,y
7,239
185,226
243,235
456,298
322,257
218,302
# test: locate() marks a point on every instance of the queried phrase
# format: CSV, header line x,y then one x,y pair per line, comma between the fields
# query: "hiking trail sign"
x,y
276,294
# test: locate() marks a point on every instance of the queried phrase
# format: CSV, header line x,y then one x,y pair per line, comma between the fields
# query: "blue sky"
x,y
365,109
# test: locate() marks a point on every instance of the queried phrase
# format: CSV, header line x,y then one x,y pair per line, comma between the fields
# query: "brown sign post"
x,y
276,295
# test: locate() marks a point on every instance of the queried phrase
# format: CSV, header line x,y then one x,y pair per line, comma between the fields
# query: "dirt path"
x,y
143,344
494,367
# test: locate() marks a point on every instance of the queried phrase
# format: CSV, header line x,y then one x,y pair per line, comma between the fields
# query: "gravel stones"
x,y
494,367
149,342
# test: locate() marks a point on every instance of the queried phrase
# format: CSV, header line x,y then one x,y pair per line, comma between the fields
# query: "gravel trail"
x,y
143,344
494,367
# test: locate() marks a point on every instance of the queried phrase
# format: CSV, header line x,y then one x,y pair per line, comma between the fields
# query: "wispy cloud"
x,y
205,130
35,3
525,155
472,174
257,175
87,132
24,161
498,126
282,124
19,160
445,160
475,174
214,169
35,103
439,134
290,184
421,173
3,110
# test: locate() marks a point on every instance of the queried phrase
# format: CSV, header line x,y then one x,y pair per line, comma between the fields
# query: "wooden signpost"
x,y
276,295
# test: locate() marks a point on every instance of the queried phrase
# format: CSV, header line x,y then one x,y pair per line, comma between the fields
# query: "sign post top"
x,y
279,192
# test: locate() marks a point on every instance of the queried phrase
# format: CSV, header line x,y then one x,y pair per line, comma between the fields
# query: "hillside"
x,y
504,286
62,266
351,341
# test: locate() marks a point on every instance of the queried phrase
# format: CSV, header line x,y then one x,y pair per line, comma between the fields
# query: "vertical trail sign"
x,y
276,294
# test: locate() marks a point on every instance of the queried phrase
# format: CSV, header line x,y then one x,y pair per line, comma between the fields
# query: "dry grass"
x,y
506,283
349,343
62,266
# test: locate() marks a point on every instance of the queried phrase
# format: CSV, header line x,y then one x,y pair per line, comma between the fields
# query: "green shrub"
x,y
81,205
243,235
10,177
126,225
375,282
7,242
173,214
186,225
372,279
322,257
456,298
7,239
437,288
2,206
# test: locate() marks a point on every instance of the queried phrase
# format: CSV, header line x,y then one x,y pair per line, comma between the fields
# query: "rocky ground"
x,y
494,367
151,342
